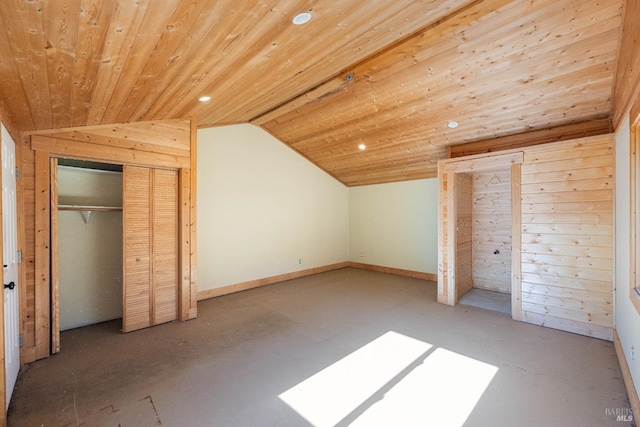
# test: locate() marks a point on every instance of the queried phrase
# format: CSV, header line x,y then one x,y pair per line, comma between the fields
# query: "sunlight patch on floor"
x,y
441,390
333,393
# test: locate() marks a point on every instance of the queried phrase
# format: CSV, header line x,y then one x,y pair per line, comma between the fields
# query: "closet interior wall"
x,y
89,249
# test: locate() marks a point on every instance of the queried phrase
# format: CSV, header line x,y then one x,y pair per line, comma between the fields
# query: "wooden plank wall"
x,y
464,233
492,231
164,144
567,236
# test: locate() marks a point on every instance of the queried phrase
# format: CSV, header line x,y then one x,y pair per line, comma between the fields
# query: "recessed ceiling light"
x,y
362,146
302,18
204,98
452,124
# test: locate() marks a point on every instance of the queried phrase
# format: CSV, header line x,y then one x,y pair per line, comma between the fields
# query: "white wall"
x,y
627,319
395,225
261,207
90,255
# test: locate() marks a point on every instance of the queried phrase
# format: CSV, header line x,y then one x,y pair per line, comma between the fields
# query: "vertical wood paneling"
x,y
464,233
165,246
492,222
137,271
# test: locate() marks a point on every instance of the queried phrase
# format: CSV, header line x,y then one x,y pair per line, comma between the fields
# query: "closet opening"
x,y
484,227
479,238
87,266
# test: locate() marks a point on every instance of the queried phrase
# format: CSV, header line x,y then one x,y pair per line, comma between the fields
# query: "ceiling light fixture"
x,y
302,18
452,124
362,146
204,98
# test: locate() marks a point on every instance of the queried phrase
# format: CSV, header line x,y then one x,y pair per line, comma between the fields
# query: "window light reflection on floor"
x,y
442,389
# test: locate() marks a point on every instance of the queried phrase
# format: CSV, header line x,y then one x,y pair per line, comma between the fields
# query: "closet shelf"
x,y
89,208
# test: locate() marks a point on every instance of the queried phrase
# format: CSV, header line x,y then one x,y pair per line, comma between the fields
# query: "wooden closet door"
x,y
150,228
165,246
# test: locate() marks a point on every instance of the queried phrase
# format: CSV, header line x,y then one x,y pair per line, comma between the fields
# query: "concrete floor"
x,y
347,347
490,300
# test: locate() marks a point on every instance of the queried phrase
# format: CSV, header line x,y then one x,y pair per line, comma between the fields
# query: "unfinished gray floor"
x,y
229,366
491,300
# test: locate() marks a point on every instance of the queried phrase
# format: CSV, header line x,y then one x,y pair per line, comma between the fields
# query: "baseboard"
x,y
225,290
626,376
396,271
238,287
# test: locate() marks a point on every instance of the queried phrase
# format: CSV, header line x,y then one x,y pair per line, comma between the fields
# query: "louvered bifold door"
x,y
150,227
165,246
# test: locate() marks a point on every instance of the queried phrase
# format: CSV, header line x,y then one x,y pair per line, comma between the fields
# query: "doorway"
x,y
484,227
479,236
10,260
89,228
146,262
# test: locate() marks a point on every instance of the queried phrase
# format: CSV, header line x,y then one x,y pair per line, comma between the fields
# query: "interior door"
x,y
150,247
10,263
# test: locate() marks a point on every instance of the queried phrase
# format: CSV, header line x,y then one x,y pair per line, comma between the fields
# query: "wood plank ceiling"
x,y
389,74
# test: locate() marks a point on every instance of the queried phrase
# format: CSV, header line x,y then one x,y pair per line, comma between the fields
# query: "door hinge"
x,y
17,173
20,340
19,258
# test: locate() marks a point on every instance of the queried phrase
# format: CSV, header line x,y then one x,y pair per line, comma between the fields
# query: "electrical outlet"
x,y
300,261
361,255
633,353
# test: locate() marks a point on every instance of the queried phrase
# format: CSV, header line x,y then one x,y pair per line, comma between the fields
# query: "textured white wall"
x,y
627,319
395,225
90,254
262,207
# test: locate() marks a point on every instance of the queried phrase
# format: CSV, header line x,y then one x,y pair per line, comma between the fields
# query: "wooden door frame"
x,y
184,250
187,295
447,170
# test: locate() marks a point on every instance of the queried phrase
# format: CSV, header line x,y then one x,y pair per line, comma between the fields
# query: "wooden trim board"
x,y
42,255
626,376
238,287
397,271
55,259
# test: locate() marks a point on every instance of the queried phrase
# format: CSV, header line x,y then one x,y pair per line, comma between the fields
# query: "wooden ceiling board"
x,y
499,67
286,60
628,72
493,82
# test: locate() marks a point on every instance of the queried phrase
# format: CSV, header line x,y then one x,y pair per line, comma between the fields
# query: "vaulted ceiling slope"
x,y
390,74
